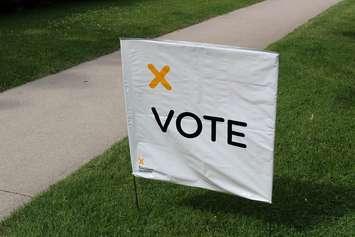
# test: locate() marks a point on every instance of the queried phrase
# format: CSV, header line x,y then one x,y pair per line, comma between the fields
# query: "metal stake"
x,y
269,221
135,191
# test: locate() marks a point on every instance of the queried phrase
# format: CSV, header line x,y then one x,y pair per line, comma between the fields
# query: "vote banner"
x,y
201,115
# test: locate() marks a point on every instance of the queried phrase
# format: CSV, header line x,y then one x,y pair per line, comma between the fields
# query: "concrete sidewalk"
x,y
52,126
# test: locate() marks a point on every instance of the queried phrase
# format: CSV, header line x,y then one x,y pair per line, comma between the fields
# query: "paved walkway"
x,y
52,126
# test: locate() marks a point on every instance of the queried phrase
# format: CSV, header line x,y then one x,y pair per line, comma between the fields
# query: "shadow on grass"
x,y
16,9
349,34
345,97
296,204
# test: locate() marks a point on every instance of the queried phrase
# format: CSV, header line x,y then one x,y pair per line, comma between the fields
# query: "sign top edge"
x,y
201,44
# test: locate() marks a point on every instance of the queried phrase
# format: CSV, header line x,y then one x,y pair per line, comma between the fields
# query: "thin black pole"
x,y
135,191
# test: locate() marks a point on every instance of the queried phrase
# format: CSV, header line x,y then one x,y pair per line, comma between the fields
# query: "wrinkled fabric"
x,y
231,83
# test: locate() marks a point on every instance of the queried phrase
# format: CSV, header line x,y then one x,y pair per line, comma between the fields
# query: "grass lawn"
x,y
314,187
35,43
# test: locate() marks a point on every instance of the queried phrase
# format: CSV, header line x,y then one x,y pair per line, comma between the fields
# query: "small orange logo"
x,y
140,160
159,77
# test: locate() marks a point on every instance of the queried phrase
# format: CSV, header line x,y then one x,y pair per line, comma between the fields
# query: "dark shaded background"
x,y
12,6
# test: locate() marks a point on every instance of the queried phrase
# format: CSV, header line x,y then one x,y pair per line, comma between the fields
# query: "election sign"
x,y
201,115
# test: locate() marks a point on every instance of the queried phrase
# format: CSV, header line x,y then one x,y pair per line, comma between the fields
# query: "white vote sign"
x,y
201,115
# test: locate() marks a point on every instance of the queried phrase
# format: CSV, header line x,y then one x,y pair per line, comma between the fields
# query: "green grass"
x,y
314,187
35,43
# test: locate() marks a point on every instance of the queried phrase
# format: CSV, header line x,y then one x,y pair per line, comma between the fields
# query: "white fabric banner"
x,y
201,115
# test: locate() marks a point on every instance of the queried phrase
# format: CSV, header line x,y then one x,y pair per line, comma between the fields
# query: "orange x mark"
x,y
159,77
